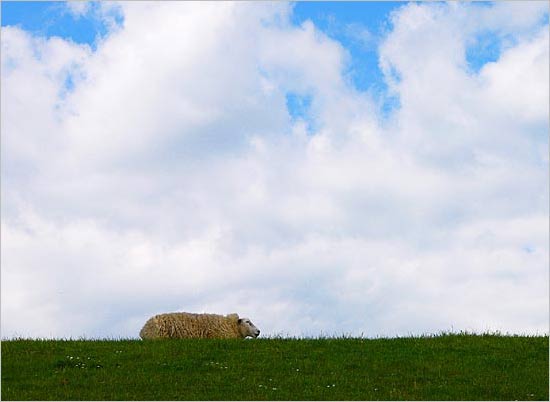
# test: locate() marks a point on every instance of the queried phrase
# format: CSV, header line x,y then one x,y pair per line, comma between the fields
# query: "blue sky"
x,y
47,19
387,158
358,26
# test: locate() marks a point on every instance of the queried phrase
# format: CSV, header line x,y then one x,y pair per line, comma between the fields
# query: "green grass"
x,y
447,367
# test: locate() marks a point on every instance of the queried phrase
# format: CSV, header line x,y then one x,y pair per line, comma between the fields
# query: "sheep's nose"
x,y
257,332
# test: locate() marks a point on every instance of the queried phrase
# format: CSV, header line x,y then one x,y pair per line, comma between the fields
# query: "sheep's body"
x,y
189,325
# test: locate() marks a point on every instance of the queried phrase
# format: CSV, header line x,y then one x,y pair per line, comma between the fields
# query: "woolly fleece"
x,y
189,325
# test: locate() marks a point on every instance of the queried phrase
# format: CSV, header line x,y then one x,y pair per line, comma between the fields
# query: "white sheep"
x,y
189,325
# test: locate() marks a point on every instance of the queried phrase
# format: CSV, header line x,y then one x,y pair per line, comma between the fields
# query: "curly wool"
x,y
189,325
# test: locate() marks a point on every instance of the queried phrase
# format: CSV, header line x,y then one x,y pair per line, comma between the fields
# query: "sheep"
x,y
189,325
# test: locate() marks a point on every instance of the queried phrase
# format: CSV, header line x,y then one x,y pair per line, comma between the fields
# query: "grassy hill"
x,y
446,367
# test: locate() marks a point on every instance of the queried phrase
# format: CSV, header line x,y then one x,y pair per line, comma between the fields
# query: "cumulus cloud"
x,y
160,172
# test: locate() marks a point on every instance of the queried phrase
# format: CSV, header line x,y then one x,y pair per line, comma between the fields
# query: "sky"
x,y
370,169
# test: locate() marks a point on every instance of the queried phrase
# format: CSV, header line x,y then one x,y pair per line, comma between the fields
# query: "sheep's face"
x,y
246,328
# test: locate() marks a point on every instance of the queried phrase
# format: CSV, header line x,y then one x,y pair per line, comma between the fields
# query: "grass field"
x,y
447,367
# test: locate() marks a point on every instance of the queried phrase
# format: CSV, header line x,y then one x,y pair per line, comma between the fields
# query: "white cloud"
x,y
172,176
472,110
361,34
507,86
507,17
78,8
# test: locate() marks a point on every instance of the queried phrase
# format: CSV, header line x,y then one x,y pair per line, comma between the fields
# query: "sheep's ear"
x,y
239,320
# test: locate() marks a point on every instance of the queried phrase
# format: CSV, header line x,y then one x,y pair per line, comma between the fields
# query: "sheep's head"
x,y
246,328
